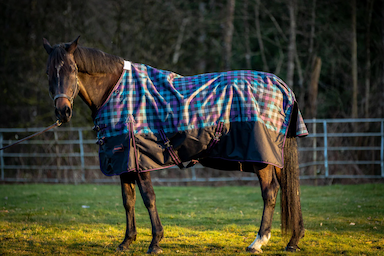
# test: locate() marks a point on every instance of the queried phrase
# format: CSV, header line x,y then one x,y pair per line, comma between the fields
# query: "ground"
x,y
90,220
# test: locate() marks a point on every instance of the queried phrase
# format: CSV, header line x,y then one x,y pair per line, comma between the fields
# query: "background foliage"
x,y
191,37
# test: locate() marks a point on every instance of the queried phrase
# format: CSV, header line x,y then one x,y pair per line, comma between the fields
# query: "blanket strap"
x,y
132,135
170,149
212,144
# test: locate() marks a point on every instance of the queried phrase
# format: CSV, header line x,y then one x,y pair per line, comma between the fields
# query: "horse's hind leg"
x,y
269,188
129,199
148,194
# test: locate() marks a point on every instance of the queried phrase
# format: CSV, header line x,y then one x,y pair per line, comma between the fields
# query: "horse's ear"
x,y
72,47
47,46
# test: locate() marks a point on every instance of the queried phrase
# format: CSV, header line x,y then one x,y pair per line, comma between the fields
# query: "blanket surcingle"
x,y
155,119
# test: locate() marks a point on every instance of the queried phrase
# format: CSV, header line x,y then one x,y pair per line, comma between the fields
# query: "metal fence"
x,y
360,140
335,148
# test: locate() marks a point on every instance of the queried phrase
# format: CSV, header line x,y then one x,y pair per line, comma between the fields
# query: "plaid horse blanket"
x,y
154,119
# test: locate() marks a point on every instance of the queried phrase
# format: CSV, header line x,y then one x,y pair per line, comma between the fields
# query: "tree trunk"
x,y
259,39
311,53
354,61
313,88
246,36
202,39
292,42
313,23
228,35
381,106
368,58
301,78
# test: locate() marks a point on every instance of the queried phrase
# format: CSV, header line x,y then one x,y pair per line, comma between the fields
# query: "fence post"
x,y
82,155
382,149
314,145
1,156
58,159
193,170
325,149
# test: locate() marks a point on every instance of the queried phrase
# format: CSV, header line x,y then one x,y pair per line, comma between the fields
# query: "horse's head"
x,y
62,76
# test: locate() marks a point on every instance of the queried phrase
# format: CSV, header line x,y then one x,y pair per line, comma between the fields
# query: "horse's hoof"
x,y
292,248
254,250
302,233
155,250
121,248
125,245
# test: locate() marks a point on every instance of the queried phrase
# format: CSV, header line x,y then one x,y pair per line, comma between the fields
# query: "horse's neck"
x,y
95,88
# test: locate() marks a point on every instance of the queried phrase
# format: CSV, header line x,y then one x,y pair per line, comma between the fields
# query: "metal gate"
x,y
335,148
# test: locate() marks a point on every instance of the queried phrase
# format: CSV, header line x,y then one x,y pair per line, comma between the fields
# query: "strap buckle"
x,y
217,136
167,143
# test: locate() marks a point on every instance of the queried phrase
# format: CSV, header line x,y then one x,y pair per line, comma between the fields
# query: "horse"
x,y
93,75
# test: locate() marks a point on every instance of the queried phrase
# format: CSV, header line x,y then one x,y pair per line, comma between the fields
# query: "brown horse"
x,y
73,70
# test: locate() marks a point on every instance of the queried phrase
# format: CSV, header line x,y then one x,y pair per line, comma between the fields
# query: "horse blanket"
x,y
155,119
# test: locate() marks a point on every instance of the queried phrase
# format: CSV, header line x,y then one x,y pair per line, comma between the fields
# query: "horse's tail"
x,y
291,216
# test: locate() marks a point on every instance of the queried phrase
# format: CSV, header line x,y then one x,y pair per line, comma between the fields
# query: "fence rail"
x,y
70,149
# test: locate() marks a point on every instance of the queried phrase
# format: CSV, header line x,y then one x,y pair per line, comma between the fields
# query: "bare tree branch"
x,y
176,55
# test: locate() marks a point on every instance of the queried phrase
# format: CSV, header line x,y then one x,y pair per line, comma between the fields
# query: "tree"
x,y
292,42
313,88
259,38
368,57
228,34
354,60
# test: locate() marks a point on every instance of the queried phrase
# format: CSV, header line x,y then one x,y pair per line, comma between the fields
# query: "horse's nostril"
x,y
64,114
68,112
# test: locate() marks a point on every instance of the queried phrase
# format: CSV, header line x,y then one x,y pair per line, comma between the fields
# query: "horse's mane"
x,y
88,60
92,60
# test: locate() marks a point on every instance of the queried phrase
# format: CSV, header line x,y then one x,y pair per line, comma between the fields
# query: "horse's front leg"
x,y
129,199
269,188
148,194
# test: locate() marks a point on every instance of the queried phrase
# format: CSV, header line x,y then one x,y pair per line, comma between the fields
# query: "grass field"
x,y
90,220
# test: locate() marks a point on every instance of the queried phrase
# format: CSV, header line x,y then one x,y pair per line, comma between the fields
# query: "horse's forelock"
x,y
57,56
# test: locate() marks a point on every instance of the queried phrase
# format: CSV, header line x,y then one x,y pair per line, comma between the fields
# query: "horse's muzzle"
x,y
64,114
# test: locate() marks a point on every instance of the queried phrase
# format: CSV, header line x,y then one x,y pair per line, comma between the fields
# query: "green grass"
x,y
49,219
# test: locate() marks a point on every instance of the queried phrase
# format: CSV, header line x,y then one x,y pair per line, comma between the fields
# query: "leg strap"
x,y
132,135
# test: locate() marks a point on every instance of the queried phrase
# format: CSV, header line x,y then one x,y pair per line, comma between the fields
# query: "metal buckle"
x,y
217,136
100,142
167,144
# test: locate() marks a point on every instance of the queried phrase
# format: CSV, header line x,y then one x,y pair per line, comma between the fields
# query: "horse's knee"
x,y
129,200
269,196
128,191
129,204
150,201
